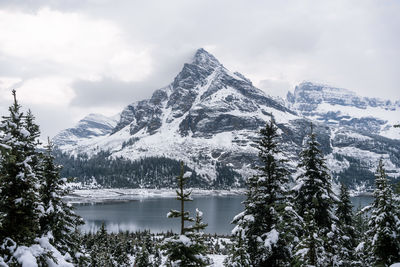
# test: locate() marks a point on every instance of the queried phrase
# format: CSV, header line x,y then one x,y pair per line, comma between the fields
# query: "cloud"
x,y
75,44
102,55
275,87
97,93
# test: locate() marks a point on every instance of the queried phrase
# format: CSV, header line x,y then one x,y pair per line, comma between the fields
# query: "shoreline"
x,y
102,195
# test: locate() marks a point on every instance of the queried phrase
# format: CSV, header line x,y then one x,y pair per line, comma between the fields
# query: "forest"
x,y
149,172
282,224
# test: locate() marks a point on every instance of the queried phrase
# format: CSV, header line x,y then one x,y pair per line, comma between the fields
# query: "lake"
x,y
150,213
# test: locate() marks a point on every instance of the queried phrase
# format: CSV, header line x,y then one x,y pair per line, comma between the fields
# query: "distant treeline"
x,y
150,172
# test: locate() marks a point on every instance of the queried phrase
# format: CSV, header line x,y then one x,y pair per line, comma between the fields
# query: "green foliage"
x,y
58,219
32,212
314,188
347,233
265,225
311,251
238,255
381,246
150,172
19,201
142,258
319,240
226,177
186,249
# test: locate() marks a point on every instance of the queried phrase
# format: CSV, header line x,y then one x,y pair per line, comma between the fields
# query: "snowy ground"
x,y
217,259
107,195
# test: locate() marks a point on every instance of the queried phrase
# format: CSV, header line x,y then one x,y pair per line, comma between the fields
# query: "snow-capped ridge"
x,y
210,115
92,125
344,108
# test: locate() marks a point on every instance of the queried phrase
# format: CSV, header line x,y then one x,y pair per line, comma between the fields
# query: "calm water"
x,y
151,213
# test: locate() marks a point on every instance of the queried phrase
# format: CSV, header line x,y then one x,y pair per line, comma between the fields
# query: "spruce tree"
x,y
185,249
120,250
267,202
310,251
347,236
59,219
360,228
142,258
238,255
157,259
197,236
313,195
313,190
20,205
382,244
100,254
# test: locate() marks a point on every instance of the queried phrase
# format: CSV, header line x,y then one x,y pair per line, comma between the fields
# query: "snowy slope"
x,y
206,110
209,114
93,125
342,107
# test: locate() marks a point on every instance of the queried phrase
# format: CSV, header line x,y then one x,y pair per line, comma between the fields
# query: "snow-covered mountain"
x,y
342,107
209,114
93,125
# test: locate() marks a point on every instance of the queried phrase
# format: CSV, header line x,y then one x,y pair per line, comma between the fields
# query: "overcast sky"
x,y
70,58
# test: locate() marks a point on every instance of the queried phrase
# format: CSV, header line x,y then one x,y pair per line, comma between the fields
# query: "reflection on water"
x,y
151,213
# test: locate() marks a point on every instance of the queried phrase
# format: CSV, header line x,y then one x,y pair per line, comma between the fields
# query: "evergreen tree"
x,y
33,138
314,188
360,229
382,244
197,236
347,236
311,249
100,254
120,254
142,258
157,259
267,202
313,195
59,219
185,249
238,255
20,206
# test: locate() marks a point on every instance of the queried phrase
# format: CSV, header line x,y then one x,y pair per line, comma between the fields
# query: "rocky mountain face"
x,y
342,107
209,116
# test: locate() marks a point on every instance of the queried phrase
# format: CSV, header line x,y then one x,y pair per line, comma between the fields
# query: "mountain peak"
x,y
202,57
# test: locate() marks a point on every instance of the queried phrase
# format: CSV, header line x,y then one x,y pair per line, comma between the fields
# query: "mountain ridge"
x,y
209,115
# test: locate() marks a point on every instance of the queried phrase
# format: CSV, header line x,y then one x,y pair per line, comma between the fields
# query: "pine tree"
x,y
142,258
100,254
20,206
311,249
238,255
59,219
313,195
33,138
266,203
314,188
382,244
360,228
120,254
197,236
347,236
184,250
157,259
